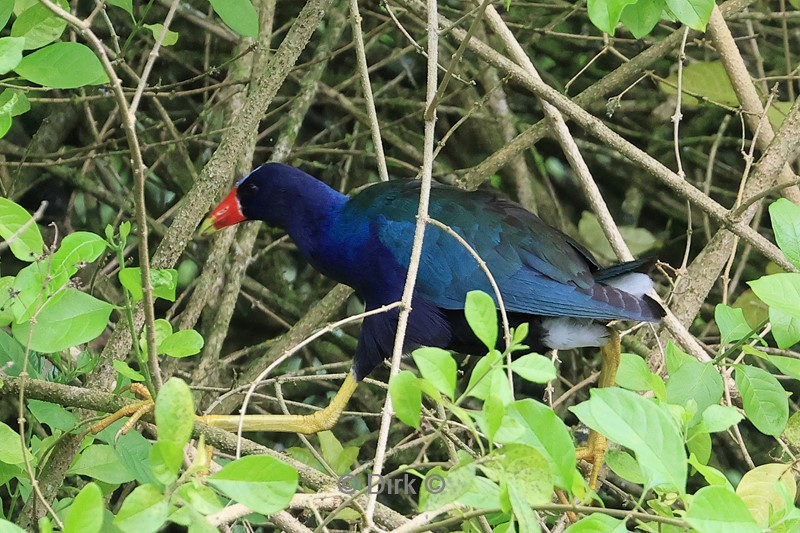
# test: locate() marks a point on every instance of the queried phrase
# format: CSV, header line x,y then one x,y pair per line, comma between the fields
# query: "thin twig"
x,y
416,249
676,142
369,99
137,163
151,59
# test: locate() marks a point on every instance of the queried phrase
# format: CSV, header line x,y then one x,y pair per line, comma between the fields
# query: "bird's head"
x,y
261,195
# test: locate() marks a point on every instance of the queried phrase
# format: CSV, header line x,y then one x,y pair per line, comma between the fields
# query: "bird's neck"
x,y
312,208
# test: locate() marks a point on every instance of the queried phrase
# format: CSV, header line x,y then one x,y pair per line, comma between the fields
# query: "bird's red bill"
x,y
227,213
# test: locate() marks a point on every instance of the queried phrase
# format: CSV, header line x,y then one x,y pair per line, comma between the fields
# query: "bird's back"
x,y
540,270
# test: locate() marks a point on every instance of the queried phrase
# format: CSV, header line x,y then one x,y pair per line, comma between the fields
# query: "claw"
x,y
594,453
135,410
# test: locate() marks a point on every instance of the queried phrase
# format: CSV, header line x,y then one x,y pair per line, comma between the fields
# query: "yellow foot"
x,y
135,410
594,452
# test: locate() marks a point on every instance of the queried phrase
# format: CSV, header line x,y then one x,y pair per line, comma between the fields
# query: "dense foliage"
x,y
123,122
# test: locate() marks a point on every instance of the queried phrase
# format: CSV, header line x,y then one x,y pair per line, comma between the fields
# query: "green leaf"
x,y
534,368
499,386
785,217
438,367
12,357
704,78
633,373
64,65
709,473
5,123
785,328
731,323
28,291
644,428
720,417
86,512
162,329
440,488
676,358
124,369
523,466
10,527
605,14
11,447
77,249
493,413
13,102
640,18
39,26
26,244
181,343
144,510
765,402
175,412
127,5
519,334
133,452
71,318
522,509
481,313
698,442
100,461
538,426
758,489
261,482
169,39
52,415
10,53
164,282
792,431
597,523
480,381
200,497
693,13
716,509
624,465
166,459
787,365
695,381
339,458
406,395
6,9
781,291
239,15
482,494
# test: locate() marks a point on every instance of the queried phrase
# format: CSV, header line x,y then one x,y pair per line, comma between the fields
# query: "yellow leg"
x,y
306,424
595,448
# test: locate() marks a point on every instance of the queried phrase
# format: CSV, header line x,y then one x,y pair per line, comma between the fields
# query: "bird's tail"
x,y
626,285
645,266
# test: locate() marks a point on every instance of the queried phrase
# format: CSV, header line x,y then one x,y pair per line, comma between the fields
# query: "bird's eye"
x,y
246,190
